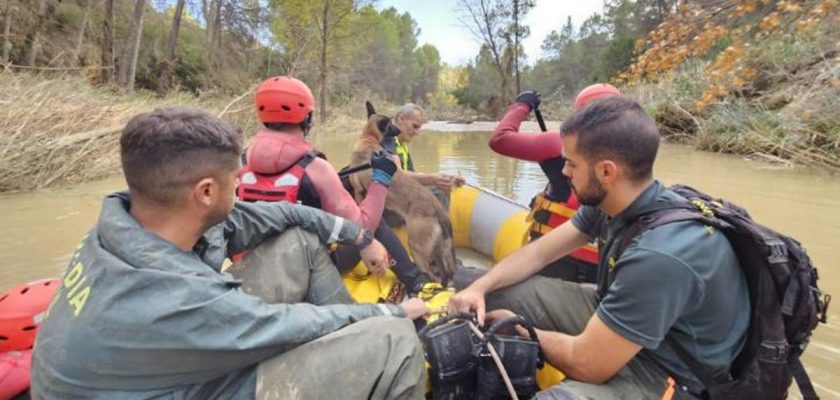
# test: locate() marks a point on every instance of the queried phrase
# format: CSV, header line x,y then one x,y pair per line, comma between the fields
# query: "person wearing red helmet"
x,y
557,203
280,165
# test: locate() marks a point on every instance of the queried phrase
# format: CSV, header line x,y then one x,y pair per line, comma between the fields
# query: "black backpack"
x,y
786,303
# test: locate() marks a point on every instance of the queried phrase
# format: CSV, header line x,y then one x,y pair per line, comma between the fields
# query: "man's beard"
x,y
594,194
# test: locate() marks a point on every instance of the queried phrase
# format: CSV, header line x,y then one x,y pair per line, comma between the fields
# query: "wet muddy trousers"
x,y
376,358
556,305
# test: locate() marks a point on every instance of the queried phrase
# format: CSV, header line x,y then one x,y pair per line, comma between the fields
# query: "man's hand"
x,y
447,182
498,315
415,308
376,258
529,97
469,300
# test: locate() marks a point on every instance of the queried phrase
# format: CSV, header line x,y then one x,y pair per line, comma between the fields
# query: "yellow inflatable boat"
x,y
486,228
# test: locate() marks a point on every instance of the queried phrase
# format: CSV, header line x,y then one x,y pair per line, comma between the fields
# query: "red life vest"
x,y
547,214
283,186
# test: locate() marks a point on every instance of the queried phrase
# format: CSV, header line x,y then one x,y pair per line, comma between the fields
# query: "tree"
x,y
332,31
107,75
81,37
426,83
128,62
487,22
171,47
46,9
519,32
211,10
7,30
332,14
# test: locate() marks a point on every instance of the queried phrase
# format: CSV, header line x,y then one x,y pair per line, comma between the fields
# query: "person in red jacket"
x,y
280,165
557,203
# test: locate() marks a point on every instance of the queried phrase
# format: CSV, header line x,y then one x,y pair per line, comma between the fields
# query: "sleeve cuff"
x,y
645,341
391,310
344,231
580,226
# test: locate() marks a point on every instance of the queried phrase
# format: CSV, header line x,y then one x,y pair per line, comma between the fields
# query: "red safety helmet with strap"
x,y
284,99
594,92
21,311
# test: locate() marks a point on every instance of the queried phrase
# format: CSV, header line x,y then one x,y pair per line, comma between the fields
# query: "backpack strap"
x,y
647,218
653,216
307,195
802,379
309,157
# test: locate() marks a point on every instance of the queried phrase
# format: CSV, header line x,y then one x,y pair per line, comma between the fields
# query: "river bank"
x,y
59,131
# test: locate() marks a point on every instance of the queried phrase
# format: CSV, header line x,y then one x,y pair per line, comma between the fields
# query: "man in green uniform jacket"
x,y
678,284
145,312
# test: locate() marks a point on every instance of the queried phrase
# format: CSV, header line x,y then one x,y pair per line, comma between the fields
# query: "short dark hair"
x,y
616,127
166,150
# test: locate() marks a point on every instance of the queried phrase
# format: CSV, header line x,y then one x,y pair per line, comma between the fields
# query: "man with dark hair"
x,y
557,203
676,285
144,310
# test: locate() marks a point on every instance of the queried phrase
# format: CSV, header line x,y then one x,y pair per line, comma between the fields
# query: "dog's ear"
x,y
369,107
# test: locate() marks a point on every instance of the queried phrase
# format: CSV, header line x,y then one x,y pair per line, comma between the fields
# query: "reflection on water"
x,y
39,230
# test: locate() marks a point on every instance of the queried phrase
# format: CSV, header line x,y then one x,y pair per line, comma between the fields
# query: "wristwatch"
x,y
367,238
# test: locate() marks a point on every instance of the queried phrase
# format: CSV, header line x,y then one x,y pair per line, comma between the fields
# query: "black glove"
x,y
529,97
392,130
383,167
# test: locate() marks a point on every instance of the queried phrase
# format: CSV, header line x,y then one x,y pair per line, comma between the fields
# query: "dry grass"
x,y
790,113
60,130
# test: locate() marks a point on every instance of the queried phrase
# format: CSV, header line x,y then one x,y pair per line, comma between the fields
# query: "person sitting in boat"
x,y
281,165
144,310
557,203
409,119
678,286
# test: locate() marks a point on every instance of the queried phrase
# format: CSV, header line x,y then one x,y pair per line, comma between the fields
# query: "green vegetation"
x,y
754,77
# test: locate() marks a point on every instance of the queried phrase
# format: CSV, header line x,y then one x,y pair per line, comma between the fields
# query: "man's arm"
x,y
583,357
532,258
226,330
336,200
520,265
508,141
251,223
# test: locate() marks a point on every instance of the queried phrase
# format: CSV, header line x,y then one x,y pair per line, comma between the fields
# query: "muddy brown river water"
x,y
39,230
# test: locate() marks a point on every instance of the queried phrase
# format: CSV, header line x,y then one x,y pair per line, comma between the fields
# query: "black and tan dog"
x,y
427,222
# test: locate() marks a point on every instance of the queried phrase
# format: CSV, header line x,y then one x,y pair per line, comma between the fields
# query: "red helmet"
x,y
21,311
594,92
284,99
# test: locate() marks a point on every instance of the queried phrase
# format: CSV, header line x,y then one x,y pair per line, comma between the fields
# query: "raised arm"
x,y
508,141
336,200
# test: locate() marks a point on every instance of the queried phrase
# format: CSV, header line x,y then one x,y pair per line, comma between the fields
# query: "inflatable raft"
x,y
484,224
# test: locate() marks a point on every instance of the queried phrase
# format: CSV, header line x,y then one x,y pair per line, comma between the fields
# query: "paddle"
x,y
540,119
